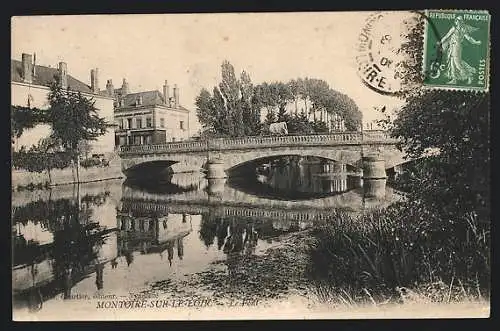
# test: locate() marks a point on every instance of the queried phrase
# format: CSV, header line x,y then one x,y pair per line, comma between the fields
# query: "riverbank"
x,y
25,180
270,284
24,197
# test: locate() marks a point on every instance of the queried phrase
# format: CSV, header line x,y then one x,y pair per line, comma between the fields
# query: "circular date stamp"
x,y
379,52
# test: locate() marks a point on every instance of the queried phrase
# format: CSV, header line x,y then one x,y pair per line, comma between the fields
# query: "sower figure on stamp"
x,y
456,68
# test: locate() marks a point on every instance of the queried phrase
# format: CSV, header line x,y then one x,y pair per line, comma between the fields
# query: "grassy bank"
x,y
405,253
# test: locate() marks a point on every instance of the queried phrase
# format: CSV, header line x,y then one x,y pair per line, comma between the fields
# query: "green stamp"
x,y
457,49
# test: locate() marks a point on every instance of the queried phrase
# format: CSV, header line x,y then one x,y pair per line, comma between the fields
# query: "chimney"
x,y
176,96
94,80
110,89
125,89
166,94
63,74
27,69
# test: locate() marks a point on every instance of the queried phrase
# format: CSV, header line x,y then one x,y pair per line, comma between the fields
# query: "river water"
x,y
174,237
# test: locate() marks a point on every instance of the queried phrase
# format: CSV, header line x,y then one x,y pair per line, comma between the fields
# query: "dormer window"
x,y
138,101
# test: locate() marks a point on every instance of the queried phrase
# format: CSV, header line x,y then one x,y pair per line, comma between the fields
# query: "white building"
x,y
30,85
148,117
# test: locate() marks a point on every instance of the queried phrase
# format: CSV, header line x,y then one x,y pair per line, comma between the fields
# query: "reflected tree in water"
x,y
72,253
208,231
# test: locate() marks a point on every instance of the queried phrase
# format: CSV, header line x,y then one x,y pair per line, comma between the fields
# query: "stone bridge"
x,y
373,151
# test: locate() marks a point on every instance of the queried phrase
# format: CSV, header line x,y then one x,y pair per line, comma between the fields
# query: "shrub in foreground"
x,y
401,251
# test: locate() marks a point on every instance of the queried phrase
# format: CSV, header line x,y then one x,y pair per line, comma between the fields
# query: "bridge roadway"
x,y
344,147
237,203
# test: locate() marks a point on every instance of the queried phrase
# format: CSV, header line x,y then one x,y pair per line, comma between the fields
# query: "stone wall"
x,y
66,176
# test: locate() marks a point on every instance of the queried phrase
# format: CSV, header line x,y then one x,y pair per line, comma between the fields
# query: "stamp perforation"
x,y
455,65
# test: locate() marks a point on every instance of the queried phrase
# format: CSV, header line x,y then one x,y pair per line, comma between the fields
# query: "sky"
x,y
188,49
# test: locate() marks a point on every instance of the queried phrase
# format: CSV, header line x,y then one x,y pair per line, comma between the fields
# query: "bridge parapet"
x,y
220,144
259,141
378,135
187,146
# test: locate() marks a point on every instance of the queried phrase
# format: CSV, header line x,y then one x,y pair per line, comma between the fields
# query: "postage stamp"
x,y
456,49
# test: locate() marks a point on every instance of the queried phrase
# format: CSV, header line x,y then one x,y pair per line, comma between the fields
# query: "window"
x,y
138,122
181,125
129,123
162,122
120,124
149,122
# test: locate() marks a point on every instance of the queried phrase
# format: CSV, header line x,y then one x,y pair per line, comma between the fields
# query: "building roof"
x,y
149,98
45,76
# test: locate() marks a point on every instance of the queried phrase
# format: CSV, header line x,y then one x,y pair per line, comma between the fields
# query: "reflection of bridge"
x,y
232,202
224,154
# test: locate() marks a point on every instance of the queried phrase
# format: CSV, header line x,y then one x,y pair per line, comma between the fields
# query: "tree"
x,y
231,110
323,99
294,91
230,89
300,124
320,127
205,110
452,124
249,105
84,148
455,126
317,90
22,118
345,107
409,71
45,149
234,107
74,119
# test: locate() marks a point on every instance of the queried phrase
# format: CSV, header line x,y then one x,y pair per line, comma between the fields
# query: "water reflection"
x,y
152,234
120,238
170,183
55,245
297,177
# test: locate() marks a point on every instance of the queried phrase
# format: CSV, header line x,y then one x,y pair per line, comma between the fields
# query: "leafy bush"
x,y
91,162
34,160
405,246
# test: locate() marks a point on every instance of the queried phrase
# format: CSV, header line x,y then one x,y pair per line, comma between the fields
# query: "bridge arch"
x,y
181,162
234,160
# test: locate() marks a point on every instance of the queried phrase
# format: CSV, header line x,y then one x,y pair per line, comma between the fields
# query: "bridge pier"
x,y
216,176
374,176
216,186
215,169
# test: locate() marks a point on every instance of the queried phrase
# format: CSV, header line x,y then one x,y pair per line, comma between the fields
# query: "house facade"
x,y
30,86
148,117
